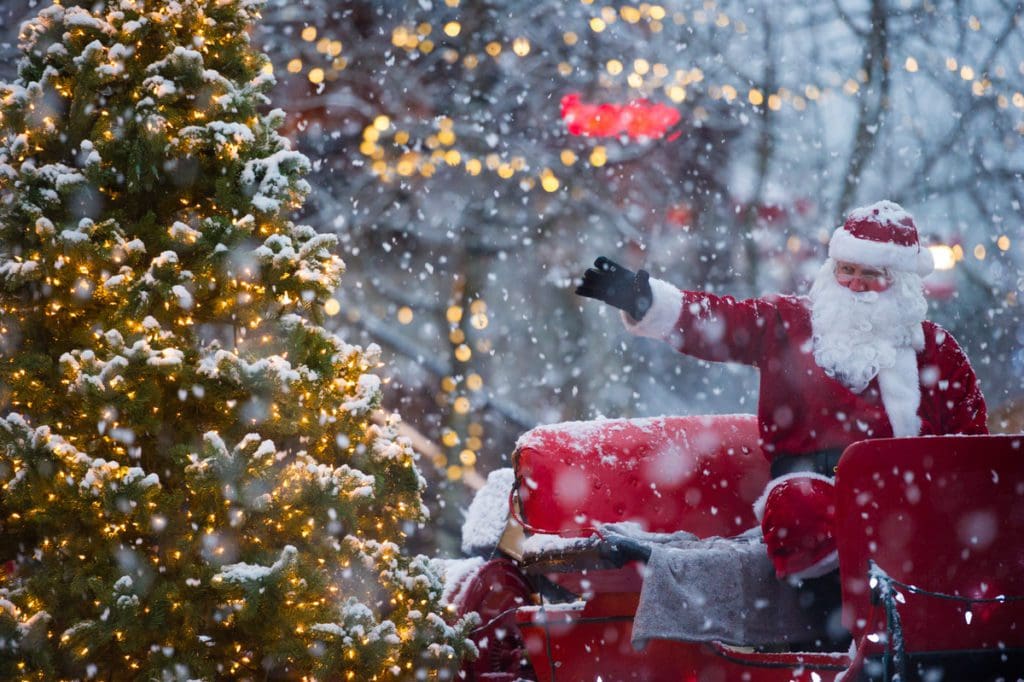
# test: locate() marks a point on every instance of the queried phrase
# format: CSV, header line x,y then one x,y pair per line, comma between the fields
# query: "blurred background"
x,y
475,156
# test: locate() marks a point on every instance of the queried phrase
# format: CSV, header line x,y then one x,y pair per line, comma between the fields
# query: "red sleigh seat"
x,y
694,473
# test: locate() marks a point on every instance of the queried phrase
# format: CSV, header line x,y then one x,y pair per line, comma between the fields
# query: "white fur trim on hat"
x,y
844,246
759,503
661,318
925,262
901,393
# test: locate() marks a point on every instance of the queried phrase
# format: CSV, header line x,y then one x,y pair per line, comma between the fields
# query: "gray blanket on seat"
x,y
721,589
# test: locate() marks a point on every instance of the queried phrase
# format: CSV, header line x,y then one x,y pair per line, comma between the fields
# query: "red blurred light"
x,y
638,118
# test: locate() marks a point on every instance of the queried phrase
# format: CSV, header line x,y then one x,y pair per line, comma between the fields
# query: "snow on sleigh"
x,y
930,535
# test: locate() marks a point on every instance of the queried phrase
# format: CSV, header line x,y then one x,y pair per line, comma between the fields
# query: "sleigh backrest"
x,y
945,514
699,474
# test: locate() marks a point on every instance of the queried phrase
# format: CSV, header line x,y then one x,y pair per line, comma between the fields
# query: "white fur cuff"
x,y
660,320
760,502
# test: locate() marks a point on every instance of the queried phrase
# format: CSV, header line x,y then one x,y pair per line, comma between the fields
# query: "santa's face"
x,y
861,277
860,318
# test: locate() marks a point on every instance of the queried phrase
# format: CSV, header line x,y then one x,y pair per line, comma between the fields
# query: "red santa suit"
x,y
800,408
928,388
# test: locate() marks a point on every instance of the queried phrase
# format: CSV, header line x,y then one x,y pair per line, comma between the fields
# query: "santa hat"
x,y
798,517
881,235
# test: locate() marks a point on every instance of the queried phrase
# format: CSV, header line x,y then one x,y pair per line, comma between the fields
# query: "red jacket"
x,y
800,408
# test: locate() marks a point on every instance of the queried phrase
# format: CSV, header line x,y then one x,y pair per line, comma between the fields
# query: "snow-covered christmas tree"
x,y
191,481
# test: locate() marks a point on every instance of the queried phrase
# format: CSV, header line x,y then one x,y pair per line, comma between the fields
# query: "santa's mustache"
x,y
863,296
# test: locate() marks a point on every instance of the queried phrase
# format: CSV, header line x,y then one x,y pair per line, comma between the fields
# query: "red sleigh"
x,y
930,540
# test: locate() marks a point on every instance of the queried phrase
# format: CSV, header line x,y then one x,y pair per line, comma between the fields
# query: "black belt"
x,y
823,462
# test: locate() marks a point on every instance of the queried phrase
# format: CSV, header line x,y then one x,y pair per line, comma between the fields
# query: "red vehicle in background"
x,y
930,539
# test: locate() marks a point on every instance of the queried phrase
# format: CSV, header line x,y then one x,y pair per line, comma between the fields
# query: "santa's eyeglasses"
x,y
859,278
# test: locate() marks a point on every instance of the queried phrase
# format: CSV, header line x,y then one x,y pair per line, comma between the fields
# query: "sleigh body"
x,y
930,539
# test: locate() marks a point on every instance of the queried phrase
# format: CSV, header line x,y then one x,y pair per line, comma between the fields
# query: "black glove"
x,y
618,286
620,550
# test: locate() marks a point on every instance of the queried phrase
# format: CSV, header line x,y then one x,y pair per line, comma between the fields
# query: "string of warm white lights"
x,y
646,77
643,76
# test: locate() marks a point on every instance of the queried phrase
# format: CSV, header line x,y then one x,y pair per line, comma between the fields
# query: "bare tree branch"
x,y
875,63
850,23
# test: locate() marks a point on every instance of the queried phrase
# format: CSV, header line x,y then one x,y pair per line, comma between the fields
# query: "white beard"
x,y
858,334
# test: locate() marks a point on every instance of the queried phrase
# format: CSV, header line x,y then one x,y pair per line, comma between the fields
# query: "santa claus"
x,y
854,359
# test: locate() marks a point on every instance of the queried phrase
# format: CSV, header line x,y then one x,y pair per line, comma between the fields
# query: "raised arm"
x,y
710,327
